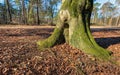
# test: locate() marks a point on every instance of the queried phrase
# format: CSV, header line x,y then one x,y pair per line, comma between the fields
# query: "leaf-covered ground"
x,y
19,54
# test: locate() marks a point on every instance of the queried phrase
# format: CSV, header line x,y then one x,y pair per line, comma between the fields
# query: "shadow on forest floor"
x,y
106,42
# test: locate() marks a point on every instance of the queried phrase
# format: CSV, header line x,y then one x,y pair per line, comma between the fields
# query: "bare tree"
x,y
9,15
118,18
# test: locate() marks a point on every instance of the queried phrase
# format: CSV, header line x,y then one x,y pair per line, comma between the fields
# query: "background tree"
x,y
50,8
37,7
19,11
107,10
118,17
73,27
31,12
21,7
2,13
8,9
95,11
24,21
45,12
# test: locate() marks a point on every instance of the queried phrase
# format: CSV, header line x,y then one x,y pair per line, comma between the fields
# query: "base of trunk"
x,y
77,41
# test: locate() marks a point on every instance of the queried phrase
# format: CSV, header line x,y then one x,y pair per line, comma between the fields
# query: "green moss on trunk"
x,y
55,38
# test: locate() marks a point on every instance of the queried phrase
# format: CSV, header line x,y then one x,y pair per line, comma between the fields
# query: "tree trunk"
x,y
38,20
73,27
110,21
23,12
117,21
9,16
30,13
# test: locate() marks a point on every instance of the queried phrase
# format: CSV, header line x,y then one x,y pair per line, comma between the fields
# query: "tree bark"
x,y
117,21
9,16
30,13
73,27
23,13
38,19
110,21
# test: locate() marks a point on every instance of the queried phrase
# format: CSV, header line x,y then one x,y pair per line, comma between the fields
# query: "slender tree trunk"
x,y
30,13
73,27
4,15
23,12
117,21
100,21
110,21
52,15
38,20
95,17
9,16
19,14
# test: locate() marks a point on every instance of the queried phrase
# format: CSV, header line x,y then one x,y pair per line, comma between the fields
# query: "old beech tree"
x,y
73,27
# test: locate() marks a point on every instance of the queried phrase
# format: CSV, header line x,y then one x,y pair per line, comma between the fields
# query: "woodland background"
x,y
41,12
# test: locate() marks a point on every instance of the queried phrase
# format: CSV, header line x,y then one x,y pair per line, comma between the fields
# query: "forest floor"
x,y
19,54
